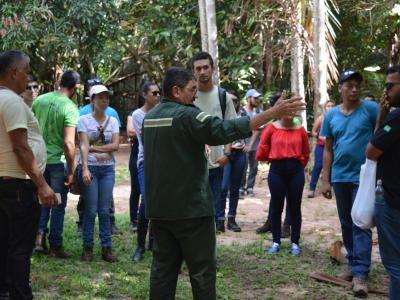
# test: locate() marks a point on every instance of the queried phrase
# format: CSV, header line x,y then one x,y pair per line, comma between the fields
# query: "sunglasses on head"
x,y
32,87
390,85
156,93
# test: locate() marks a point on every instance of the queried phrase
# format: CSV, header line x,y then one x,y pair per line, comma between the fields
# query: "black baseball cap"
x,y
350,74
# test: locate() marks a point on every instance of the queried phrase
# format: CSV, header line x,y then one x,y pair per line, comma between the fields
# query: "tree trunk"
x,y
297,56
212,35
321,56
203,25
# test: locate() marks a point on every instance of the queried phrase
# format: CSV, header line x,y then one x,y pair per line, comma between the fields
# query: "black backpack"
x,y
222,100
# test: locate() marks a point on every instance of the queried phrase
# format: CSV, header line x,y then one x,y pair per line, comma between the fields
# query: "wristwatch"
x,y
228,154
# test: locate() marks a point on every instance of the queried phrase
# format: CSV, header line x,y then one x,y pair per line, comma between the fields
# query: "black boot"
x,y
143,225
285,232
114,228
220,226
232,225
151,239
265,228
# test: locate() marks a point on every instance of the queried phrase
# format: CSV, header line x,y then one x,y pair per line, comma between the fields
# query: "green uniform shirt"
x,y
54,112
175,166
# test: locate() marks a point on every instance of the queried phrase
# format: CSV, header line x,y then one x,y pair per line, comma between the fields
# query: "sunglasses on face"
x,y
156,93
32,87
390,85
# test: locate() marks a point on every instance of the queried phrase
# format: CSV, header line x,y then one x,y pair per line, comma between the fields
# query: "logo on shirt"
x,y
387,128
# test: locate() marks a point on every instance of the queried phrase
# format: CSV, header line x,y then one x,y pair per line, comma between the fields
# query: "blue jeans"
x,y
286,179
55,176
98,195
135,188
142,214
358,242
232,178
215,179
387,221
252,165
318,155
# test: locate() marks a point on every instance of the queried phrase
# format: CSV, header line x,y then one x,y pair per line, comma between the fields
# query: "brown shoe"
x,y
285,232
265,228
58,252
87,253
40,243
346,275
360,288
106,255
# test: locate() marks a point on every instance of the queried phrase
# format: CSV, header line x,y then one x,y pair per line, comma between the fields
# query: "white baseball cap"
x,y
97,89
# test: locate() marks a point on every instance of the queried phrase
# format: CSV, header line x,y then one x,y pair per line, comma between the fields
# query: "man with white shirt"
x,y
22,163
216,102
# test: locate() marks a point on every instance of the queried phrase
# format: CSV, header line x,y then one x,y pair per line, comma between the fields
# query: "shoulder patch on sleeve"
x,y
202,116
162,122
387,128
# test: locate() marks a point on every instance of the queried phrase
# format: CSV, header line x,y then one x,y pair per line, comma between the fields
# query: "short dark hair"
x,y
393,69
234,93
32,78
70,79
11,59
274,98
202,55
175,76
146,86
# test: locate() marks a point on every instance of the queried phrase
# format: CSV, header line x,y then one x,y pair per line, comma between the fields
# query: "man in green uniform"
x,y
178,195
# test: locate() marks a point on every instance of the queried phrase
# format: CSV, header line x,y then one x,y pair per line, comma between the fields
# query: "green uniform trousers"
x,y
191,240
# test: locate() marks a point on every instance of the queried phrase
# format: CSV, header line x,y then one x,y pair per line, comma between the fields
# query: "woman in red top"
x,y
285,145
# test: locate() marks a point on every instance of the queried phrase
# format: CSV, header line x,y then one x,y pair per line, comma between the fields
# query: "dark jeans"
x,y
19,219
55,176
215,179
286,178
387,221
318,155
175,241
358,242
135,189
287,213
252,165
232,178
142,213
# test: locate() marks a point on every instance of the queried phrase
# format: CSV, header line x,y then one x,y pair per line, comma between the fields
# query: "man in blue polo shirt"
x,y
348,128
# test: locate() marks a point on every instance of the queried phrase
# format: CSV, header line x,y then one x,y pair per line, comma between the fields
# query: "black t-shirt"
x,y
387,139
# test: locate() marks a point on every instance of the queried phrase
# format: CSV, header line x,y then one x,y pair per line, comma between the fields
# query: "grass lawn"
x,y
244,272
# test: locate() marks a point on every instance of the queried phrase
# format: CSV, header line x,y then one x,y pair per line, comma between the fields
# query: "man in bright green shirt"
x,y
58,117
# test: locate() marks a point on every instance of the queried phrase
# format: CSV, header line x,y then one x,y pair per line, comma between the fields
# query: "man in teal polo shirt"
x,y
178,195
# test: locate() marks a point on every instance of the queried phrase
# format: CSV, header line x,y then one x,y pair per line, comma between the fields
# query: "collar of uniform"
x,y
166,100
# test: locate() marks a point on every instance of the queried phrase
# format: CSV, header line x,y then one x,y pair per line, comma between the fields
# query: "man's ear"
x,y
340,88
175,92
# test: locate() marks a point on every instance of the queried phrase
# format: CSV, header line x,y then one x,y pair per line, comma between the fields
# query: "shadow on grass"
x,y
244,272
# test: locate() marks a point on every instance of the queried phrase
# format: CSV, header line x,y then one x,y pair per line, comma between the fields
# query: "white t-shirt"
x,y
89,125
137,118
210,104
15,114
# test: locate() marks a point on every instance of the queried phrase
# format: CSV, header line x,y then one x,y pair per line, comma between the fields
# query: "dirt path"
x,y
320,221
